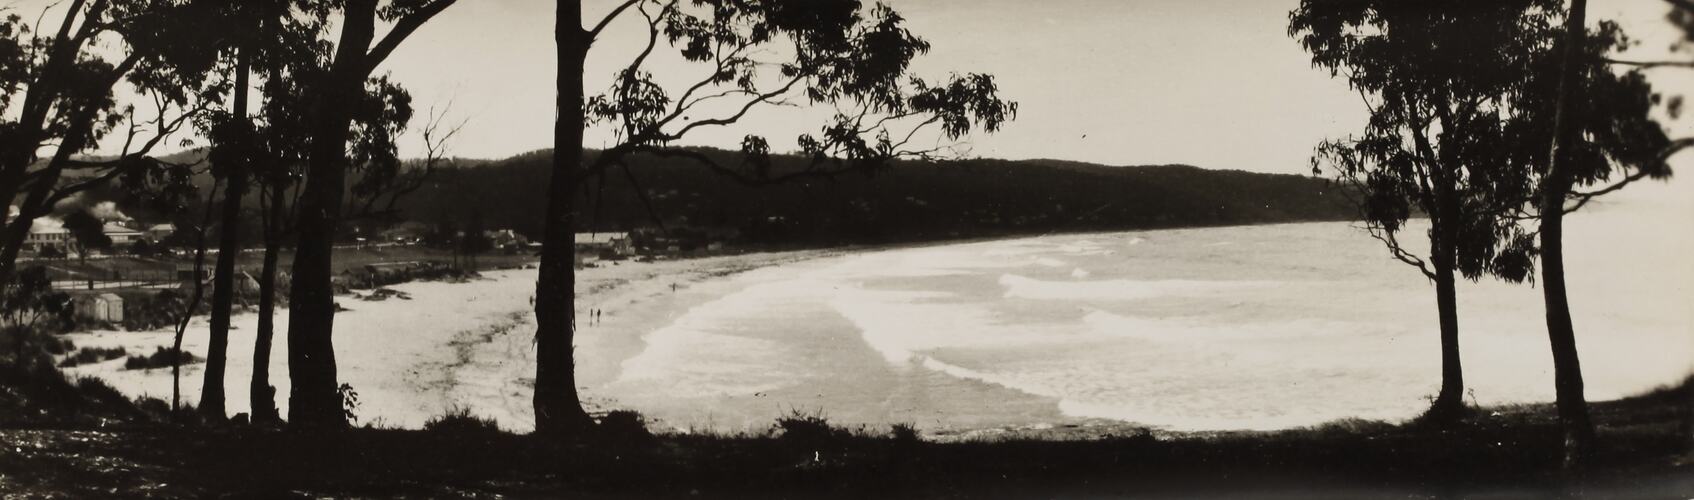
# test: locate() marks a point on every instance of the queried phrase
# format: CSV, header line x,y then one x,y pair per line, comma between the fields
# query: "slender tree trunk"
x,y
1561,333
229,247
261,395
558,411
314,400
193,303
1449,404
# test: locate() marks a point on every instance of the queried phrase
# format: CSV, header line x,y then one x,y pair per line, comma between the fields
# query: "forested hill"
x,y
908,201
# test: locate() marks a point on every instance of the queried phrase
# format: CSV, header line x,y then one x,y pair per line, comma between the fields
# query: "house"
x,y
407,232
605,245
107,307
43,235
506,238
158,232
120,234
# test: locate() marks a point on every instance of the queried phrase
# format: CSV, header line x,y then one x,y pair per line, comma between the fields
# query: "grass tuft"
x,y
458,420
163,357
91,355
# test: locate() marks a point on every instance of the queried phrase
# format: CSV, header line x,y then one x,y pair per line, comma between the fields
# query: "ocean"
x,y
1230,328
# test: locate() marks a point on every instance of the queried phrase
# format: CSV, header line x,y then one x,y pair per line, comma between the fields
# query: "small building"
x,y
407,232
107,307
506,238
158,232
605,245
120,234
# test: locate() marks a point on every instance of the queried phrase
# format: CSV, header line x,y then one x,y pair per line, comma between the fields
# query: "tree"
x,y
1437,77
59,99
335,95
283,140
476,241
836,52
1598,125
270,34
88,231
141,248
24,304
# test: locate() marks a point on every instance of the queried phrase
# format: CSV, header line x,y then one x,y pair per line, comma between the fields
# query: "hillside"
x,y
910,201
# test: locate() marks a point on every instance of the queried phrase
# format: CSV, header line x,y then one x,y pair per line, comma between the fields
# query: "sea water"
x,y
1255,327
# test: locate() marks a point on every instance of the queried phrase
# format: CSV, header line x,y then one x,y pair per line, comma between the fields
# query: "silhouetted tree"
x,y
335,95
836,52
24,304
142,248
59,92
1598,124
88,231
1436,76
476,241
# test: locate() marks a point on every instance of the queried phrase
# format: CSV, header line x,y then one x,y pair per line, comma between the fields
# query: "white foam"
x,y
1030,288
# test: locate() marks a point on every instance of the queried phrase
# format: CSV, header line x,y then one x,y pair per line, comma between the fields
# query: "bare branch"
x,y
1651,64
606,21
402,29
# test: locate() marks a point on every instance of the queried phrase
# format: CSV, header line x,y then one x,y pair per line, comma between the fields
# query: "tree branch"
x,y
402,29
605,21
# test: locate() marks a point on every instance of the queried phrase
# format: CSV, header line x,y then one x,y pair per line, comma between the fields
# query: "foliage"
x,y
59,98
349,403
162,357
29,300
1440,79
89,231
1461,96
90,355
835,52
458,420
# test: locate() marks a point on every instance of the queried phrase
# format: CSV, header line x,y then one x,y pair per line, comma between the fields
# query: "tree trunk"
x,y
193,303
261,395
558,411
229,247
1561,333
1449,405
314,399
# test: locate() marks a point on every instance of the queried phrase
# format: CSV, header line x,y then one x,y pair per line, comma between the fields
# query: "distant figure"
x,y
673,287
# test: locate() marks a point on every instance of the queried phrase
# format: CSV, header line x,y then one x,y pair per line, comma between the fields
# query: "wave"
x,y
1030,288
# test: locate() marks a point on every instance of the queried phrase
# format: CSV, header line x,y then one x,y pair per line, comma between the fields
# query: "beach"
x,y
1251,328
450,345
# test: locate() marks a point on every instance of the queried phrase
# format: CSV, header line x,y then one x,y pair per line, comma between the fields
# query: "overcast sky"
x,y
1212,83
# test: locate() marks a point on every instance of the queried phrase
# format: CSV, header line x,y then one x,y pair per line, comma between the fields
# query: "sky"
x,y
1212,83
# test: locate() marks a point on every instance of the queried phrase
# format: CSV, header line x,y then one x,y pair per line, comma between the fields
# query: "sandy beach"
x,y
451,345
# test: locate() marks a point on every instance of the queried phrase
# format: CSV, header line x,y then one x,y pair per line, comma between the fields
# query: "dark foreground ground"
x,y
1500,452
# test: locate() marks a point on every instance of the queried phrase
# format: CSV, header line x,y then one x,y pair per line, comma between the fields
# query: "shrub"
x,y
57,346
905,433
89,355
459,420
624,426
163,357
812,429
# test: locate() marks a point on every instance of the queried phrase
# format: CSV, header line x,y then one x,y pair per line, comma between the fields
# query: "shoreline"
x,y
447,346
480,357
